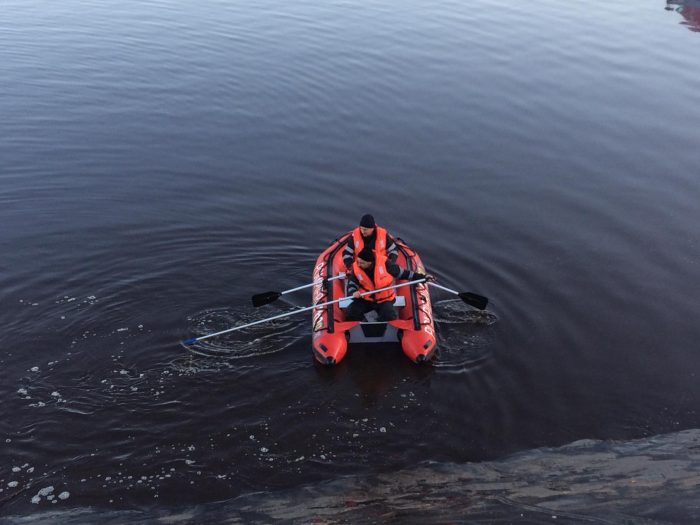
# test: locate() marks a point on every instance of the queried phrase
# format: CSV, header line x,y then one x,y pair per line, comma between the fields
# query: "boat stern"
x,y
419,345
330,349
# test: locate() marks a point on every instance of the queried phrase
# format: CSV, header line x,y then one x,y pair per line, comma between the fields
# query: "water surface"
x,y
162,162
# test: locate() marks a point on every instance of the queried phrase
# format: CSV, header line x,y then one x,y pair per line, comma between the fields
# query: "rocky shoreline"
x,y
652,480
649,480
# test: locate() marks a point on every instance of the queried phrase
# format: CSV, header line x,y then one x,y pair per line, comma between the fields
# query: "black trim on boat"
x,y
410,266
329,292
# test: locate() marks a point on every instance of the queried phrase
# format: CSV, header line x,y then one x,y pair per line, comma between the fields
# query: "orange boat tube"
x,y
331,333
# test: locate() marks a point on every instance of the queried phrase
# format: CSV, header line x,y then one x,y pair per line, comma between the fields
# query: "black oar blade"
x,y
265,298
475,300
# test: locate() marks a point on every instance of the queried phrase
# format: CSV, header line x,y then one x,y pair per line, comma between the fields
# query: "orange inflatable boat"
x,y
414,327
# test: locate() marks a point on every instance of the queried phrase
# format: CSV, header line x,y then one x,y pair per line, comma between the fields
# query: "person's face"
x,y
363,264
366,232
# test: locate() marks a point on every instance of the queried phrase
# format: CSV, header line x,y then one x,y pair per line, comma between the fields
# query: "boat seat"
x,y
398,302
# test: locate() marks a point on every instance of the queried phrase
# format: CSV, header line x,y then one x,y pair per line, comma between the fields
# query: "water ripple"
x,y
258,340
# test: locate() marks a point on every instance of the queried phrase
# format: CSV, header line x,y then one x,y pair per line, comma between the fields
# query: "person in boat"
x,y
370,272
369,235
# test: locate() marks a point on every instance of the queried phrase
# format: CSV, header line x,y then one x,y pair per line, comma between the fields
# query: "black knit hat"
x,y
366,255
367,221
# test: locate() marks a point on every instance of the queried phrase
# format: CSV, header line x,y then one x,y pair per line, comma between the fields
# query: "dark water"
x,y
162,162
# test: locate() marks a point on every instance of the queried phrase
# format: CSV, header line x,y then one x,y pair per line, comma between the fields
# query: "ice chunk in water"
x,y
46,491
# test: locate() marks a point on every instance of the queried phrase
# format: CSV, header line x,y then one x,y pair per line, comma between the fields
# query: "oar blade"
x,y
265,298
475,300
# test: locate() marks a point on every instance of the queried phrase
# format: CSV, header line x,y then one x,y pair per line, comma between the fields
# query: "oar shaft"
x,y
318,281
286,314
443,288
298,311
472,299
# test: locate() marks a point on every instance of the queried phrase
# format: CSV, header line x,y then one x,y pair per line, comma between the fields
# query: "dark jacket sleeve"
x,y
400,274
349,253
353,285
392,249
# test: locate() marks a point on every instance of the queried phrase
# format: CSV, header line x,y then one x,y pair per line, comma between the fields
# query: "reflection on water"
x,y
689,9
377,371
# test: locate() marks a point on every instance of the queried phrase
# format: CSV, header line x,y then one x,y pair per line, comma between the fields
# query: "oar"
x,y
264,298
297,311
472,299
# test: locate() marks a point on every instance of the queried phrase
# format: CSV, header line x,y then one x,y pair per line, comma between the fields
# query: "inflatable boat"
x,y
413,328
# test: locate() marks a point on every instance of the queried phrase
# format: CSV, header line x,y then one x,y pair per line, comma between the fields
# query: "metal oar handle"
x,y
443,288
341,275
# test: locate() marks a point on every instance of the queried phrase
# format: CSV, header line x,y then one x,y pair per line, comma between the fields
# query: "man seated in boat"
x,y
372,272
369,235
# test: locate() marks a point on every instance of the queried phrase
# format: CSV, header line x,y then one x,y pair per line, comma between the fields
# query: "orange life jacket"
x,y
379,243
381,279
